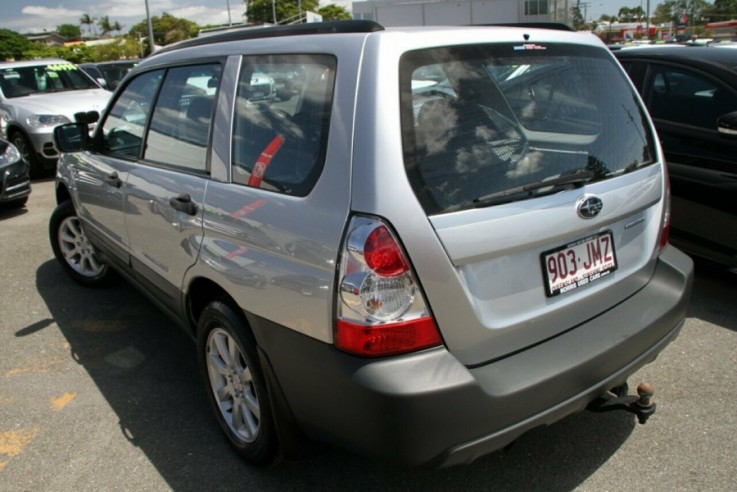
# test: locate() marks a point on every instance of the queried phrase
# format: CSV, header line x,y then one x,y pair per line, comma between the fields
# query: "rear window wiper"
x,y
575,180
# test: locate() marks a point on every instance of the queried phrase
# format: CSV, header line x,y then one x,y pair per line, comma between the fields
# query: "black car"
x,y
109,74
15,185
691,94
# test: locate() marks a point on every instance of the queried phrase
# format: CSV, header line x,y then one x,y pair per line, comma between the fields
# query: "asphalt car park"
x,y
105,395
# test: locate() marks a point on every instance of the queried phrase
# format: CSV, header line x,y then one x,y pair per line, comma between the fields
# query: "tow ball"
x,y
618,399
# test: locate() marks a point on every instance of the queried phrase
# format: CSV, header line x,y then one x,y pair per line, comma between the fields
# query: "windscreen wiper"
x,y
575,180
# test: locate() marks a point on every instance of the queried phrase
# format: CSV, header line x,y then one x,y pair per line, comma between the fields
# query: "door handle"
x,y
183,203
113,180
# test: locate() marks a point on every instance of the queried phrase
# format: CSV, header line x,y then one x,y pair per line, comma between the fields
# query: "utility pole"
x,y
150,31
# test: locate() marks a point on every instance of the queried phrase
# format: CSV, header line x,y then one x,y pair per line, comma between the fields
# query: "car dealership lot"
x,y
100,392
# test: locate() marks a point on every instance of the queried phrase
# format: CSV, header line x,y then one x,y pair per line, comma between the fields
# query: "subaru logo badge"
x,y
589,207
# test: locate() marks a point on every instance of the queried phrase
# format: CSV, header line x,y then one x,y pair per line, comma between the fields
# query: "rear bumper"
x,y
427,408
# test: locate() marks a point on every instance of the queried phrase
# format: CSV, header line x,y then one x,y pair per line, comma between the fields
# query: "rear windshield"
x,y
489,124
40,79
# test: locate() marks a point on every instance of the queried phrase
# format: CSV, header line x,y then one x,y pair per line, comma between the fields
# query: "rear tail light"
x,y
665,222
380,307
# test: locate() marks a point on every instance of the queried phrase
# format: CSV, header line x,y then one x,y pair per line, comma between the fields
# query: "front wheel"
x,y
235,383
27,154
73,249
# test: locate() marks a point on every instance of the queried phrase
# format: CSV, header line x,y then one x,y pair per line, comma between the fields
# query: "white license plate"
x,y
577,264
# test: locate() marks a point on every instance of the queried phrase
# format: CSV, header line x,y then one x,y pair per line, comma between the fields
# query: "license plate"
x,y
579,263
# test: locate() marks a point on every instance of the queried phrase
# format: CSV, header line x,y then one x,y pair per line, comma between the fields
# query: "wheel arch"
x,y
62,193
201,292
15,127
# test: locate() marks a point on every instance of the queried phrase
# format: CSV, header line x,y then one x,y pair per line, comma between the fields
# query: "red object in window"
x,y
263,161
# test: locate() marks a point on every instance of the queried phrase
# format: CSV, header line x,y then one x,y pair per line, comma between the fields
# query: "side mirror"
x,y
88,117
727,125
71,137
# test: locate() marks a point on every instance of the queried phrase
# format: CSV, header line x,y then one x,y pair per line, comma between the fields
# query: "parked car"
x,y
37,95
416,275
15,184
108,74
691,94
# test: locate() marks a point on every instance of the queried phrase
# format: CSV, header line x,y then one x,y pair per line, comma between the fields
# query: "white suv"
x,y
442,238
36,96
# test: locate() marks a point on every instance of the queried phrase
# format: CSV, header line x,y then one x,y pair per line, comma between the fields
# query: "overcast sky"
x,y
39,15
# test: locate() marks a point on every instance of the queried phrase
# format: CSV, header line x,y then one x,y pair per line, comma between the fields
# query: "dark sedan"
x,y
691,94
15,185
109,74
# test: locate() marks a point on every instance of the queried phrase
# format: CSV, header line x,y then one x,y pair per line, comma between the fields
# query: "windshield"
x,y
479,121
44,78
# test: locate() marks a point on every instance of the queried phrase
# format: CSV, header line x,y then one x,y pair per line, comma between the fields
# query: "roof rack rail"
x,y
329,27
557,26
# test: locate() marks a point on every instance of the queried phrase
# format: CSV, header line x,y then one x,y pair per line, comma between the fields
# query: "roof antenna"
x,y
526,36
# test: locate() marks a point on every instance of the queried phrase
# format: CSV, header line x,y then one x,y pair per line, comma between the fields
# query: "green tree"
x,y
69,31
722,10
167,29
634,14
12,45
334,12
262,11
577,20
124,47
664,12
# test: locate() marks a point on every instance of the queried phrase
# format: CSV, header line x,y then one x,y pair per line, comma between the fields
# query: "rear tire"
x,y
235,383
73,250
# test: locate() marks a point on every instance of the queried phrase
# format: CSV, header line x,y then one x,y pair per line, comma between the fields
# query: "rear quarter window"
x,y
280,129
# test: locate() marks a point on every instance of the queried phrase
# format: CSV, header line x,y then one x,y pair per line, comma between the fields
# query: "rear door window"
x,y
484,125
281,122
687,97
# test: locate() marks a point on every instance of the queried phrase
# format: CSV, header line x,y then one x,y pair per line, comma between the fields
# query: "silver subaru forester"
x,y
441,238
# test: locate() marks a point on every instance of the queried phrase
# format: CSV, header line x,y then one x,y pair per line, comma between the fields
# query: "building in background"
x,y
462,12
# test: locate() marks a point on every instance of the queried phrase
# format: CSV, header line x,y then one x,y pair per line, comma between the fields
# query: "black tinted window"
x,y
687,97
481,120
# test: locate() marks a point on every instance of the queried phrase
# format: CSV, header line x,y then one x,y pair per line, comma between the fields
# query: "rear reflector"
x,y
390,339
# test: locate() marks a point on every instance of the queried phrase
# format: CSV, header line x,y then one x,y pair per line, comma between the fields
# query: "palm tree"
x,y
105,25
88,21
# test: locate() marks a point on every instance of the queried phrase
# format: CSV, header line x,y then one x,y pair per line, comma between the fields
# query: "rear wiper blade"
x,y
579,178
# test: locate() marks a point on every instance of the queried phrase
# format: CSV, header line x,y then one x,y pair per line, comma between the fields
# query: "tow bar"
x,y
618,399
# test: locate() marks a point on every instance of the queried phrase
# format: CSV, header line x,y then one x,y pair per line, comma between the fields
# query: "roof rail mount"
x,y
330,27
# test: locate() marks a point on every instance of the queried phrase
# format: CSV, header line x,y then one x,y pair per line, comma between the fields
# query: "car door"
x,y
165,191
685,104
101,175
